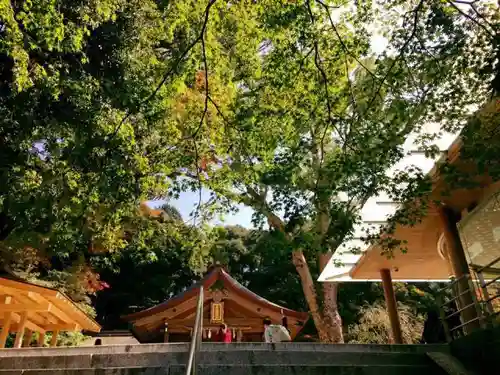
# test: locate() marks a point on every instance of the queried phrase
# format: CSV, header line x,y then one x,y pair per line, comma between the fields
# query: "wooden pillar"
x,y
165,333
53,340
456,254
392,308
7,319
28,335
239,336
5,329
40,341
20,330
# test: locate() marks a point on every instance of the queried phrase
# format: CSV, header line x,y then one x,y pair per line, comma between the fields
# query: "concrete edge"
x,y
210,347
360,365
449,364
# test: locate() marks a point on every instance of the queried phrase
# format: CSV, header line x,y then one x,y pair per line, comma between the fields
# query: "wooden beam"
x,y
63,327
16,318
53,340
392,309
53,309
66,310
20,307
229,321
20,330
170,313
251,307
37,318
19,286
188,329
5,299
63,320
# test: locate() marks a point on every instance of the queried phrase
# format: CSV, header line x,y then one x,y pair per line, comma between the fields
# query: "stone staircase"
x,y
225,359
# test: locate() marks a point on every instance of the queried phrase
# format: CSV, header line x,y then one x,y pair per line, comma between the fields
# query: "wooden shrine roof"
x,y
47,309
216,274
244,308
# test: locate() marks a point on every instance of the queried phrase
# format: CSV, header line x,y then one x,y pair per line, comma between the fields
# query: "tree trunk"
x,y
331,314
327,322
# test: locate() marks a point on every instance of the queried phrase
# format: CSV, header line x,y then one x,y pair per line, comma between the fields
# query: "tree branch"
x,y
341,41
259,204
469,17
205,104
401,52
167,74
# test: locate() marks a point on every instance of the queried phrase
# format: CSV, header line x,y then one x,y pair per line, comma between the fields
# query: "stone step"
x,y
215,347
359,369
243,357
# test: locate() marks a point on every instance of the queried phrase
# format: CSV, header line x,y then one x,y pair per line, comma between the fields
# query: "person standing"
x,y
274,333
224,334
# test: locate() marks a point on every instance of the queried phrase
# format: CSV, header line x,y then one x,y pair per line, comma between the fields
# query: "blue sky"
x,y
188,202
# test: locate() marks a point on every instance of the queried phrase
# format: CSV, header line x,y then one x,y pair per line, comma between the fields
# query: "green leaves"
x,y
283,107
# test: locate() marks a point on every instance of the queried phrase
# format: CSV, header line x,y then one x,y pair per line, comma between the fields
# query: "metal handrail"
x,y
489,282
453,281
487,298
474,303
194,346
480,269
446,302
483,304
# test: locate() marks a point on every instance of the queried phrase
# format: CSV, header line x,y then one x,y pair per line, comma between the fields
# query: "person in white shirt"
x,y
274,333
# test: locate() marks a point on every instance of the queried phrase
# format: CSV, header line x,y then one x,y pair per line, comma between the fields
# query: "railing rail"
x,y
482,268
487,298
482,302
463,292
195,345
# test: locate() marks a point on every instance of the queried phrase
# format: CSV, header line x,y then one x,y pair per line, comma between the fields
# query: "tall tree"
x,y
154,265
106,104
91,102
311,138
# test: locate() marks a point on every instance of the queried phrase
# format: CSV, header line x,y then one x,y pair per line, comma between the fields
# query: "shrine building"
x,y
29,310
225,301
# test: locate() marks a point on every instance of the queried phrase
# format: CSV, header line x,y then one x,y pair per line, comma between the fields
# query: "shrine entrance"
x,y
225,302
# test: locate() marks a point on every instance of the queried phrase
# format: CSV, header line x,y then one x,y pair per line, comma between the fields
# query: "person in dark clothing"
x,y
284,323
433,329
98,342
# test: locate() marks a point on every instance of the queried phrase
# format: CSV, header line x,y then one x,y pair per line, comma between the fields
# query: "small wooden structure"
x,y
428,242
27,309
225,301
436,247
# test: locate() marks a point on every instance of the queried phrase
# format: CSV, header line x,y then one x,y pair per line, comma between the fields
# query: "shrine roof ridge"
x,y
216,273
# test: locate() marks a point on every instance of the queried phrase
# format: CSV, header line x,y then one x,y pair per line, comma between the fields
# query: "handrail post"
x,y
475,302
195,344
443,317
486,294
